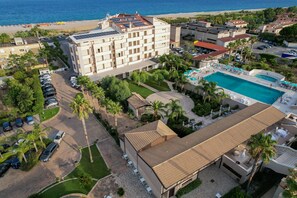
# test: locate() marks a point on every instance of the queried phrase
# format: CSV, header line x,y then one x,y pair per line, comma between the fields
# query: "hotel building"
x,y
123,40
167,163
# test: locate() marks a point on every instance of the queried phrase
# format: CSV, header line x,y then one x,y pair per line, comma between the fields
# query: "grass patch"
x,y
97,169
144,92
48,113
193,185
65,188
163,86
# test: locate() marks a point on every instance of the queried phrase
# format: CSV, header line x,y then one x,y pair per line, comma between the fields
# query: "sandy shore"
x,y
85,25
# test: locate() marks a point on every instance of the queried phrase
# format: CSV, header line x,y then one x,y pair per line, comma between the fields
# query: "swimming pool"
x,y
247,88
267,78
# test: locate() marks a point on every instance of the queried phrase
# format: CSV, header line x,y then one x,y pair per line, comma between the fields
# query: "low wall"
x,y
277,76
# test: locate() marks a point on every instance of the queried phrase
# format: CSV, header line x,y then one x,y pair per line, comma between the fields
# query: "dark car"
x,y
49,89
49,94
4,168
47,86
4,146
30,120
6,126
14,162
48,152
19,122
51,102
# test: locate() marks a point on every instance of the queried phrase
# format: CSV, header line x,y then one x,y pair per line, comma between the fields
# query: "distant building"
x,y
282,21
124,40
19,46
236,23
175,32
138,105
203,31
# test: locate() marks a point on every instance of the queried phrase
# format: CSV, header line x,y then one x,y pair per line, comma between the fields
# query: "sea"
x,y
14,12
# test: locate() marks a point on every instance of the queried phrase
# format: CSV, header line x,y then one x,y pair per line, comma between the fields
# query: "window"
x,y
99,50
145,33
119,54
138,57
88,52
129,35
231,170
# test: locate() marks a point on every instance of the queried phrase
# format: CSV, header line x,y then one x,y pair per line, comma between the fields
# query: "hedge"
x,y
38,95
113,132
188,188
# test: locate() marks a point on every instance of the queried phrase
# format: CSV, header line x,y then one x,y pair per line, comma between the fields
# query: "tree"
x,y
139,77
4,38
40,133
253,40
174,110
83,81
113,108
181,81
99,94
289,33
291,185
81,108
1,150
21,150
158,76
157,107
261,148
116,89
231,46
269,15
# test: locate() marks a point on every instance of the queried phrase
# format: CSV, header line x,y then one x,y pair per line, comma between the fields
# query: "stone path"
x,y
214,180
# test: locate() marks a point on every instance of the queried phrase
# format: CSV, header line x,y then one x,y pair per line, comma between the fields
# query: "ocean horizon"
x,y
13,12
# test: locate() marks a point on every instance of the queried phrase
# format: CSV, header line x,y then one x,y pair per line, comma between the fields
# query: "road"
x,y
275,50
17,183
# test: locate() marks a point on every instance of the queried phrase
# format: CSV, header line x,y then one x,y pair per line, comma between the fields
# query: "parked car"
x,y
59,136
4,168
7,126
47,86
30,120
46,81
19,122
50,92
5,146
51,102
14,162
45,77
48,152
49,89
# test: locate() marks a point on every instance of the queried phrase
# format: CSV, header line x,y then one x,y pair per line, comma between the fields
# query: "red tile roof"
x,y
230,38
209,46
218,50
237,22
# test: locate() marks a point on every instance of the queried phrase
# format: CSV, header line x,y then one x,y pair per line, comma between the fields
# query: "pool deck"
x,y
286,108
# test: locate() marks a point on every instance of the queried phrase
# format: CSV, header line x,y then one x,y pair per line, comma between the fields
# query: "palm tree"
x,y
99,94
44,54
182,80
231,46
1,150
114,108
158,76
32,137
174,110
83,81
247,53
40,133
291,185
253,40
157,107
21,150
261,148
81,108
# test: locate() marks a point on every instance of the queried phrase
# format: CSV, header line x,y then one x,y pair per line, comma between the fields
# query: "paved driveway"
x,y
21,184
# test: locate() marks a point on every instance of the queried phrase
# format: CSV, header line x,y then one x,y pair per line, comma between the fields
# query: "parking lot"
x,y
17,183
275,50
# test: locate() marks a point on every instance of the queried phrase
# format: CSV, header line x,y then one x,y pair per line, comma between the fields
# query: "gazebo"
x,y
137,104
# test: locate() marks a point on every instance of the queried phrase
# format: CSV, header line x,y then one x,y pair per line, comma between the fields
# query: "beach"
x,y
85,25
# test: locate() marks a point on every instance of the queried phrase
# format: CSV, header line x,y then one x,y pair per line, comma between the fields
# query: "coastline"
x,y
86,25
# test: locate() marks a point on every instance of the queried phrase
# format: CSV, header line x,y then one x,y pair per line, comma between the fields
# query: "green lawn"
x,y
144,92
97,169
48,113
68,187
163,86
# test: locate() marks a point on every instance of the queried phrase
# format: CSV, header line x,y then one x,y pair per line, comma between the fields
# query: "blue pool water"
x,y
267,78
247,88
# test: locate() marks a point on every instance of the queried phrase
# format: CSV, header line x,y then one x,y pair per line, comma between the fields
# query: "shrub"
x,y
148,117
235,107
85,179
38,96
121,191
188,188
215,116
236,192
113,132
32,160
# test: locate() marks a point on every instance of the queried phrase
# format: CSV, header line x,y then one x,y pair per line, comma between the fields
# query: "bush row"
x,y
38,95
112,131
